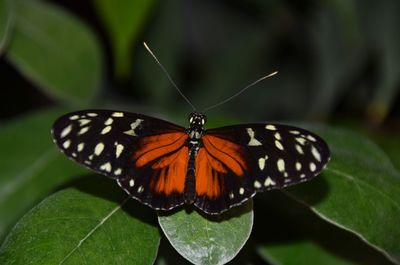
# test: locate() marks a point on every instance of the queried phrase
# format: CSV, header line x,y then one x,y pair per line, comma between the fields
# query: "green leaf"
x,y
300,252
56,51
123,20
6,23
92,223
359,191
30,165
204,239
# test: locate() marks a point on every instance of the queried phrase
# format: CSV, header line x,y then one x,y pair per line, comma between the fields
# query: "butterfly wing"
x,y
147,156
235,162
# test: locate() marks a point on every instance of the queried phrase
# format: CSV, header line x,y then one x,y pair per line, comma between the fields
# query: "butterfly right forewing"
x,y
136,150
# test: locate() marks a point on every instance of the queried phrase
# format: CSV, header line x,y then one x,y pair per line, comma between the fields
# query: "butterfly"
x,y
164,165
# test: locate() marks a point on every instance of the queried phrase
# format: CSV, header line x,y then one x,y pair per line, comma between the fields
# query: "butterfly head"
x,y
197,119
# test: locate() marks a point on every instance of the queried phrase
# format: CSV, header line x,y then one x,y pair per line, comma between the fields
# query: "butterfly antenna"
x,y
240,92
168,76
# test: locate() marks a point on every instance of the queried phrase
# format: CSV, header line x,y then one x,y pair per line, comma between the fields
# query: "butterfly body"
x,y
164,165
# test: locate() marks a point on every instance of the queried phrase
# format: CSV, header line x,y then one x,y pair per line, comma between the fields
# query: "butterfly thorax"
x,y
195,132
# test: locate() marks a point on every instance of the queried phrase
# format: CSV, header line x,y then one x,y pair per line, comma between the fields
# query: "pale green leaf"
x,y
204,239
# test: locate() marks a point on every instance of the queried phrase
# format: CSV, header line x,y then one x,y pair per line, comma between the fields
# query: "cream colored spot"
x,y
98,149
131,183
118,172
241,191
261,162
294,132
277,136
278,145
106,167
67,144
300,140
83,130
281,165
316,154
253,141
298,166
75,117
302,176
299,149
268,182
270,127
311,138
73,154
134,125
140,189
257,184
66,131
109,121
80,147
83,122
91,114
313,167
106,130
118,114
231,195
118,150
91,157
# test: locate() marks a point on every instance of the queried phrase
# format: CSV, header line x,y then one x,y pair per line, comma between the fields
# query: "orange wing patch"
x,y
170,156
213,161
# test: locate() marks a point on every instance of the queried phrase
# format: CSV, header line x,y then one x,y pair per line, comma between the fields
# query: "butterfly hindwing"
x,y
139,151
238,161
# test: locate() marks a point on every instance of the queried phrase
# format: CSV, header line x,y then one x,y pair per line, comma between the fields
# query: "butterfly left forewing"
x,y
262,157
134,149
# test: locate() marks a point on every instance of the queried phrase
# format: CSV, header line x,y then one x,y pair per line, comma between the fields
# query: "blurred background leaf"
x,y
56,51
123,20
6,23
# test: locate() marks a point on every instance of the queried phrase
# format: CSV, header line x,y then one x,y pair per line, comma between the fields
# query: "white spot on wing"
x,y
261,162
281,165
299,149
231,195
66,131
91,114
75,117
118,171
83,122
106,130
278,136
268,182
311,138
315,153
106,167
241,191
83,130
298,166
98,149
257,184
278,145
67,144
80,147
270,127
294,132
134,125
118,149
109,121
300,140
313,167
131,183
253,141
118,114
